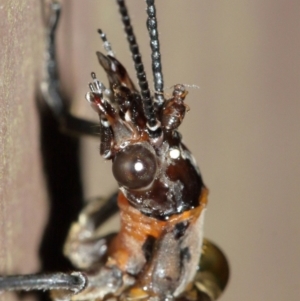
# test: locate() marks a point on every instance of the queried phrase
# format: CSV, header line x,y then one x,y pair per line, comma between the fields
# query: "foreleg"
x,y
84,246
50,85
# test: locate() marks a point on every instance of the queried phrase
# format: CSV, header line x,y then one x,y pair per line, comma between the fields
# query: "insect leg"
x,y
87,250
50,86
68,283
103,211
84,246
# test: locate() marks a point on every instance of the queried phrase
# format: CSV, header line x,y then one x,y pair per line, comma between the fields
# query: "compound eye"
x,y
134,167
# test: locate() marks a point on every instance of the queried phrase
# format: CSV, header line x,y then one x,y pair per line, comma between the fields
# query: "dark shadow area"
x,y
60,154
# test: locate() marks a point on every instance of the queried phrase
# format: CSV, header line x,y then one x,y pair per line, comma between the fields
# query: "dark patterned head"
x,y
138,132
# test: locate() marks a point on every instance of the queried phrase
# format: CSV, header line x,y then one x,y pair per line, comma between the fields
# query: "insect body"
x,y
162,198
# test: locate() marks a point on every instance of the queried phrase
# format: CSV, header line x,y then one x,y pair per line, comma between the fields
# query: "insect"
x,y
162,197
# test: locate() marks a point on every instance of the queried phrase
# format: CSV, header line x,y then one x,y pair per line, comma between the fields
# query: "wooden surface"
x,y
22,190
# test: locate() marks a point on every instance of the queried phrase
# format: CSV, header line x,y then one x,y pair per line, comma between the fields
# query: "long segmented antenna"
x,y
152,122
106,44
156,57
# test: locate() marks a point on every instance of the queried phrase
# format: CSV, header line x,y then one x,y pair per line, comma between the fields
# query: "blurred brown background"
x,y
243,127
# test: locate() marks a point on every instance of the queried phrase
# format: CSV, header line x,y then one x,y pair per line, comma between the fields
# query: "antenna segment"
x,y
156,56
